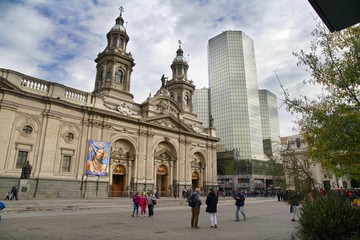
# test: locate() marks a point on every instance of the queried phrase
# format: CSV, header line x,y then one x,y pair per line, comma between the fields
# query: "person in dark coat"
x,y
239,202
211,207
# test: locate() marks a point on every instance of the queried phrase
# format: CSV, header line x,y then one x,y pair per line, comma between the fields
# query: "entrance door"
x,y
162,180
195,180
118,181
118,185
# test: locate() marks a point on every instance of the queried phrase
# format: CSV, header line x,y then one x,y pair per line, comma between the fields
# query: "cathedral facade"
x,y
103,144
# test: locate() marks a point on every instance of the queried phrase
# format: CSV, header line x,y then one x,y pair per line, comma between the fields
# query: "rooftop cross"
x,y
121,10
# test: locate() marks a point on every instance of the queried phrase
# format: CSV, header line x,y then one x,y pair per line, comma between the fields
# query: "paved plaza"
x,y
111,219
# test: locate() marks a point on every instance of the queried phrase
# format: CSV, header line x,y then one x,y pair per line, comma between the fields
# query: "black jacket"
x,y
211,202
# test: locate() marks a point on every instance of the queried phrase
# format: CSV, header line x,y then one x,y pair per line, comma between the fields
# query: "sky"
x,y
58,41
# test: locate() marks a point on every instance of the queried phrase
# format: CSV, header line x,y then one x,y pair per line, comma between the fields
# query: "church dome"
x,y
119,25
179,56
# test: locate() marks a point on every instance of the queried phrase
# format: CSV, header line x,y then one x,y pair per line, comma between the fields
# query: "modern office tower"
x,y
201,105
234,94
269,120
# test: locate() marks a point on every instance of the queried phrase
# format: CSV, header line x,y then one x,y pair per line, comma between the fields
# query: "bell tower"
x,y
114,65
181,89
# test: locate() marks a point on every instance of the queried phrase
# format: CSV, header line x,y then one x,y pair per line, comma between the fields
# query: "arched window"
x,y
121,43
114,43
108,76
187,100
179,99
119,76
101,75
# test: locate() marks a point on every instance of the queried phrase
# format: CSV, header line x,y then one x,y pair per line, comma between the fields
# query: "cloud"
x,y
59,40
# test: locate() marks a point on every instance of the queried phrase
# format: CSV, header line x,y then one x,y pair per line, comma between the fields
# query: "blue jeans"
x,y
241,210
136,209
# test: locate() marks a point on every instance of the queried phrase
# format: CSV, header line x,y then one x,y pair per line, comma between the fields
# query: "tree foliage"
x,y
298,173
331,121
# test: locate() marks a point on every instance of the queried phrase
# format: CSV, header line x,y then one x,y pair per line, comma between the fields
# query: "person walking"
x,y
150,203
294,205
239,202
195,209
14,193
143,204
136,202
211,208
8,195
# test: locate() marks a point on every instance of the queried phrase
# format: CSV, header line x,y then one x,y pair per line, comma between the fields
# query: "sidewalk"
x,y
83,204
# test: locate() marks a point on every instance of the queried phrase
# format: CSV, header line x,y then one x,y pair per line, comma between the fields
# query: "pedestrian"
x,y
14,192
7,197
294,205
143,204
150,203
239,202
136,202
195,209
211,208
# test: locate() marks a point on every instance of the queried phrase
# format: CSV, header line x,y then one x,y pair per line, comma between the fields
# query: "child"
x,y
7,196
143,204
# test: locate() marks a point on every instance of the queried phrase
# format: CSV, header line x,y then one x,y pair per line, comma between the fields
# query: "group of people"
x,y
211,207
144,201
13,194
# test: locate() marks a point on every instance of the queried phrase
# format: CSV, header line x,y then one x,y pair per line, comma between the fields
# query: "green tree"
x,y
297,167
331,121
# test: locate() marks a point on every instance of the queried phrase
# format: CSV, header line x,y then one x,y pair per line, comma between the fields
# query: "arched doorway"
x,y
165,168
195,180
198,170
162,180
118,181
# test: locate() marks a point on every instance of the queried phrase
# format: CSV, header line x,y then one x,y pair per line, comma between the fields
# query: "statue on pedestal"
x,y
26,171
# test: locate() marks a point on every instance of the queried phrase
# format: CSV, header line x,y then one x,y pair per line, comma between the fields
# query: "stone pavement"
x,y
267,219
84,204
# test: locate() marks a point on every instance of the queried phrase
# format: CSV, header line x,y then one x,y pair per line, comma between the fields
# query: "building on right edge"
x,y
299,168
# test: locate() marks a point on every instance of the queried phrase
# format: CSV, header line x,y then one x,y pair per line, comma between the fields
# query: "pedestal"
x,y
24,189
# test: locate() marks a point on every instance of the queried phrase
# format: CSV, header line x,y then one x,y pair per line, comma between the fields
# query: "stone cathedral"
x,y
157,145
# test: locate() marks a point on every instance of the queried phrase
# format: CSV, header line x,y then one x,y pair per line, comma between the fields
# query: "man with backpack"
x,y
195,203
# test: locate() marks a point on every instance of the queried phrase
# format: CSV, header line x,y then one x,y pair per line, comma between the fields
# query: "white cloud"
x,y
59,40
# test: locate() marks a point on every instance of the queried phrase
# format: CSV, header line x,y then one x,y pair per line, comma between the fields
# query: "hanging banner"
x,y
98,158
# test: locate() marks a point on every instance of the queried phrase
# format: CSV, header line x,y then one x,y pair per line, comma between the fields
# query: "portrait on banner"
x,y
98,158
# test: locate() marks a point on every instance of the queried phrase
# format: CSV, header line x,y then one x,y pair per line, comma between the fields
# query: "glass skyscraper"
x,y
269,115
234,93
201,105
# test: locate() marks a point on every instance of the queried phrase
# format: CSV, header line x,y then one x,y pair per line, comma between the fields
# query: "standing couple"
x,y
211,208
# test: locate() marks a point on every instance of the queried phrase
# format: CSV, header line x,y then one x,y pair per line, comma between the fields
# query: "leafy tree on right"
x,y
331,122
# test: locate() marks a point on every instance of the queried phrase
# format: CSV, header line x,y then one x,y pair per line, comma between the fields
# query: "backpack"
x,y
153,199
192,200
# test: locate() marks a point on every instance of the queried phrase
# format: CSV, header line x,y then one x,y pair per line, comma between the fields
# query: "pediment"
x,y
164,155
162,105
168,121
5,84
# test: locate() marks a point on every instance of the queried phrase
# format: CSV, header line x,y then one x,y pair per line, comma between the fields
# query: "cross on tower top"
x,y
121,10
